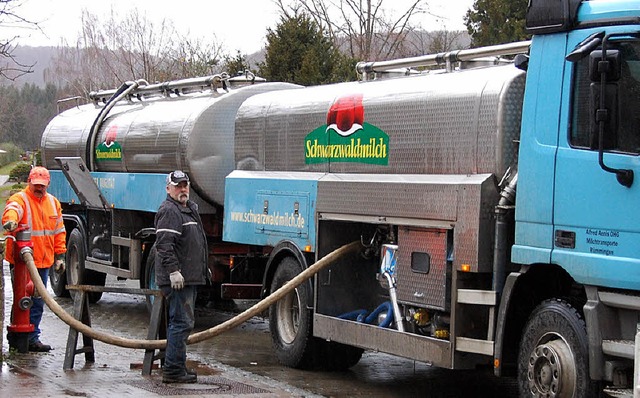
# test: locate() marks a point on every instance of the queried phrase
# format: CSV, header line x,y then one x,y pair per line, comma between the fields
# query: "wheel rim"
x,y
552,371
288,309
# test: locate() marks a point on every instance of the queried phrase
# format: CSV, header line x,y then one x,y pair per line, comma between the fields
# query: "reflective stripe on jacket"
x,y
43,216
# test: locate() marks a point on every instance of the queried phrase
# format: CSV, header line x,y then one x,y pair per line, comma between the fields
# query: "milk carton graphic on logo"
x,y
109,149
347,137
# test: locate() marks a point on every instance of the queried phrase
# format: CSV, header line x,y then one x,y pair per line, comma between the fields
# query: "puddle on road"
x,y
11,371
246,345
201,368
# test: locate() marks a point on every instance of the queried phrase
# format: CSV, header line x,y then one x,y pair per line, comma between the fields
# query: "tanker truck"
x,y
109,160
492,204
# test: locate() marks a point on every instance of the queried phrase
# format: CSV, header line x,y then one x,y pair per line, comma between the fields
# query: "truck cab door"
x,y
596,218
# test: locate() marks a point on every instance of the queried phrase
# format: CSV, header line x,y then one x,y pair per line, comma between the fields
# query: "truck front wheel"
x,y
553,357
58,283
290,319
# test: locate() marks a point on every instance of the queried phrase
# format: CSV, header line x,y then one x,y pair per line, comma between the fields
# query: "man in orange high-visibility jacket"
x,y
40,211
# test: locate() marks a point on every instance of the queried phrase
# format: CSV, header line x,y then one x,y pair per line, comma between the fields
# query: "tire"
x,y
94,278
553,360
58,283
149,281
290,320
76,273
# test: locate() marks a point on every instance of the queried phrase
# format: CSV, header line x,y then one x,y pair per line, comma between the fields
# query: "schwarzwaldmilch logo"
x,y
347,137
109,149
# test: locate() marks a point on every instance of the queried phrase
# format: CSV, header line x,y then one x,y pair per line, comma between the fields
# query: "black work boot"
x,y
39,347
185,378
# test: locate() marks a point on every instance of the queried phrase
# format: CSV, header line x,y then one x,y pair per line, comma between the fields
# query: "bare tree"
x,y
112,51
438,41
365,29
197,57
10,67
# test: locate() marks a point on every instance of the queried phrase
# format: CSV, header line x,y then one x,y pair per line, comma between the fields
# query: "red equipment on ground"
x,y
23,289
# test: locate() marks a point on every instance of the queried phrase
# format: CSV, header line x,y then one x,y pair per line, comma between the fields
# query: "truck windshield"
x,y
626,138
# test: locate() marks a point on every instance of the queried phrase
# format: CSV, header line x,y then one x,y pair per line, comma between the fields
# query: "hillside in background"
x,y
39,57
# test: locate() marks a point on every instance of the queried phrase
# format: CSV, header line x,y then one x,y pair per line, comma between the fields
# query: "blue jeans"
x,y
35,313
181,320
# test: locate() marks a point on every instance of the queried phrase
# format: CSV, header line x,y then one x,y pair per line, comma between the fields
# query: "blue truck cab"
x,y
573,209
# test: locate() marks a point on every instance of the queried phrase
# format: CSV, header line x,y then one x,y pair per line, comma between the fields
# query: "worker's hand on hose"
x,y
177,280
59,266
10,226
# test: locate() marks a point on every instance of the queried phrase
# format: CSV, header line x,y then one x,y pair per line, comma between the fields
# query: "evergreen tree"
x,y
235,65
25,112
298,52
492,22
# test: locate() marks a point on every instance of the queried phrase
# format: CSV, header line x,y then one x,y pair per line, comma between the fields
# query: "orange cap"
x,y
39,175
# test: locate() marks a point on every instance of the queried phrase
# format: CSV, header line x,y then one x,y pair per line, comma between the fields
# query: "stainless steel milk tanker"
x,y
437,123
192,131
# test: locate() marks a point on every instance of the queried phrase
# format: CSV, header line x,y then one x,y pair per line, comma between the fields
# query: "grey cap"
x,y
176,177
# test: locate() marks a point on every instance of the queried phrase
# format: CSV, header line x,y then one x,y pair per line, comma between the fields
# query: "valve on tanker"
x,y
382,234
440,324
388,259
420,317
420,321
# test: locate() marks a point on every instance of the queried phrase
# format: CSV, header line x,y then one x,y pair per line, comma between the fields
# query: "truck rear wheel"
x,y
149,281
290,319
76,273
553,358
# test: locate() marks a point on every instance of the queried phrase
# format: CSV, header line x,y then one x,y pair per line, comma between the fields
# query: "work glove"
x,y
10,226
59,265
177,280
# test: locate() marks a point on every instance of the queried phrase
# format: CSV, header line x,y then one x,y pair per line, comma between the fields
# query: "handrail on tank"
x,y
213,81
447,58
77,99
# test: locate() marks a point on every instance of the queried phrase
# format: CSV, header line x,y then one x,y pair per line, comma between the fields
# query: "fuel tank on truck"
x,y
157,133
462,122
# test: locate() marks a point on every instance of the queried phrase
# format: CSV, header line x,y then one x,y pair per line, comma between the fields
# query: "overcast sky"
x,y
242,27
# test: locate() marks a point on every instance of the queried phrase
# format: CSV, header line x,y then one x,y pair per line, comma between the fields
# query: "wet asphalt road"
x,y
248,348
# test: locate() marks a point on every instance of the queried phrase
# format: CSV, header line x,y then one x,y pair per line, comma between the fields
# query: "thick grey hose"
x,y
196,337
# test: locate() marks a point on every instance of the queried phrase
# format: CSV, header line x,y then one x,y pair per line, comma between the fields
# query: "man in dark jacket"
x,y
181,265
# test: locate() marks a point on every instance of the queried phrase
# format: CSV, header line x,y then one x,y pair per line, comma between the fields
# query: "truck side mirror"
x,y
604,72
607,115
604,100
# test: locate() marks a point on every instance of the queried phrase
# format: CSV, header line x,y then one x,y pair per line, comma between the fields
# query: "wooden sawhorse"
x,y
157,324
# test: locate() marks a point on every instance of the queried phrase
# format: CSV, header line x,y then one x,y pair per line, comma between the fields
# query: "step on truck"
x,y
494,201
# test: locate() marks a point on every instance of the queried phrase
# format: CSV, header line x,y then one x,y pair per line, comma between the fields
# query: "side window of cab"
x,y
622,133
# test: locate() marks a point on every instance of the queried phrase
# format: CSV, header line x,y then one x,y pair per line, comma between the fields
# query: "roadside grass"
x,y
6,169
11,186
